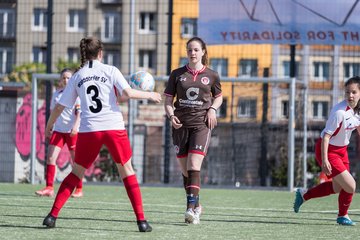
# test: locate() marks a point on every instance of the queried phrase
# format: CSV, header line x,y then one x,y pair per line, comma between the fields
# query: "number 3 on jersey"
x,y
94,91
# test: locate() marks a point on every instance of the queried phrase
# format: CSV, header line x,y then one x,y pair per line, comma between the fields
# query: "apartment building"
x,y
23,35
322,69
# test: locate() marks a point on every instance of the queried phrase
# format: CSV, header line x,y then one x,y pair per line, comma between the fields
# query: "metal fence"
x,y
250,146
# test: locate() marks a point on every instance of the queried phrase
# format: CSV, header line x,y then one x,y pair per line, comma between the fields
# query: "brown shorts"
x,y
59,139
191,140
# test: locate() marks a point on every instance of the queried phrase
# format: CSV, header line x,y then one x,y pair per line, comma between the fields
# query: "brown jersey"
x,y
194,92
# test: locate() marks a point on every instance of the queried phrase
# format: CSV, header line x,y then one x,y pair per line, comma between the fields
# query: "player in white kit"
x,y
331,154
101,123
65,132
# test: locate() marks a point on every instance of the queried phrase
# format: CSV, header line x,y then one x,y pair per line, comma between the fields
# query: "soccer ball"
x,y
142,80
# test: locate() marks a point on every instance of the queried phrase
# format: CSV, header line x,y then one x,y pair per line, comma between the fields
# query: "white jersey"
x,y
66,120
342,121
94,83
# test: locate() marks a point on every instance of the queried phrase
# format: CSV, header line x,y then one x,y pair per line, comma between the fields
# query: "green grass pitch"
x,y
105,213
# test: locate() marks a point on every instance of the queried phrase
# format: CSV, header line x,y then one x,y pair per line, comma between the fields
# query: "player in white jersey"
x,y
101,123
65,132
331,154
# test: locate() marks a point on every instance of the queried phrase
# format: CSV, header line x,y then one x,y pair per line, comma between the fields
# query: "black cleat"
x,y
49,221
144,226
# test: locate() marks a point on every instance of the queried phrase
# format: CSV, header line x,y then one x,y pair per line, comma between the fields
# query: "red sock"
x,y
79,185
133,191
50,175
321,190
65,190
344,201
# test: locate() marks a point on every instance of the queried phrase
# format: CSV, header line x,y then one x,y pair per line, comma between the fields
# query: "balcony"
x,y
7,37
110,2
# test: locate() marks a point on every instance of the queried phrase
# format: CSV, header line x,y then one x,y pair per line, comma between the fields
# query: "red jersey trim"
x,y
197,152
195,72
169,95
337,130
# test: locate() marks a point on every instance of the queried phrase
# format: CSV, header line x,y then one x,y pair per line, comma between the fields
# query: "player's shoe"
x,y
49,221
46,191
345,221
299,200
197,211
189,215
77,193
144,226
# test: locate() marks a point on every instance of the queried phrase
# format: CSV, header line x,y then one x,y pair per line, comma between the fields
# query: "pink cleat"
x,y
45,192
77,193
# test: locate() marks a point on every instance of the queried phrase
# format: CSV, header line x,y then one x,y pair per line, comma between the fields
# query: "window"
x,y
188,27
6,60
38,55
183,61
76,20
7,23
286,68
320,109
73,55
111,27
147,22
246,108
39,21
112,57
248,68
219,65
221,112
321,71
146,59
285,109
351,70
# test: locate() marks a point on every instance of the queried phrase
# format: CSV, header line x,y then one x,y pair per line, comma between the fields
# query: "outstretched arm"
x,y
136,94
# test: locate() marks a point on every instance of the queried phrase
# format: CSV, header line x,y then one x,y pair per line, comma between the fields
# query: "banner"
x,y
325,22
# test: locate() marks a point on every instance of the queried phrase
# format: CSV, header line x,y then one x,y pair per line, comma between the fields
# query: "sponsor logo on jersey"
x,y
192,93
182,79
205,80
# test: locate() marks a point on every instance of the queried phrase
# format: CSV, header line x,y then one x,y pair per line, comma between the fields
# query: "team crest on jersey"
x,y
205,80
176,147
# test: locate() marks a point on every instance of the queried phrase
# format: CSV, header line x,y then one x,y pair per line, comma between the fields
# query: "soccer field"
x,y
105,213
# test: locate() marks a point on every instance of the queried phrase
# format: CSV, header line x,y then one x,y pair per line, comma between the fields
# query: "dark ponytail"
x,y
89,50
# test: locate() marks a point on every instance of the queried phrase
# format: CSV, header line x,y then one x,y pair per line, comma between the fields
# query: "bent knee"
x,y
350,188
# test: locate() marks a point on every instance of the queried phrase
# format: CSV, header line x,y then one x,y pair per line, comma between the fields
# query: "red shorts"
x,y
89,144
59,139
338,158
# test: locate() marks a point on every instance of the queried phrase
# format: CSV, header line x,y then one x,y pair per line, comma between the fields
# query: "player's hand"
x,y
48,132
73,132
326,167
175,122
211,118
155,97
